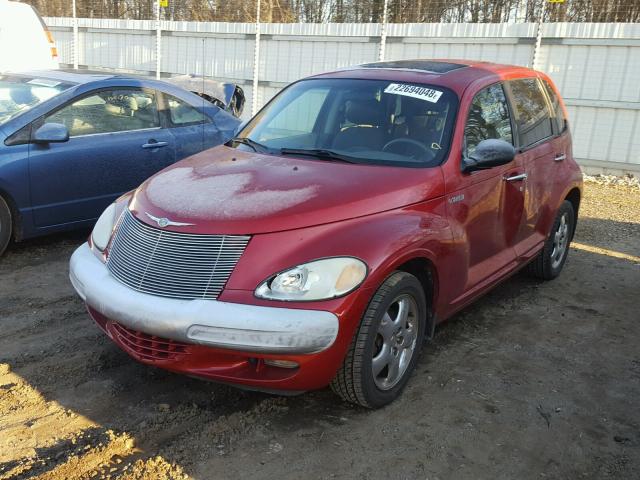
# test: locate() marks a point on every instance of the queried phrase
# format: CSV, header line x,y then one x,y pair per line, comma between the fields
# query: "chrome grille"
x,y
171,264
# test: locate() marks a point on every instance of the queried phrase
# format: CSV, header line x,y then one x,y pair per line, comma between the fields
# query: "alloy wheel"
x,y
395,342
560,242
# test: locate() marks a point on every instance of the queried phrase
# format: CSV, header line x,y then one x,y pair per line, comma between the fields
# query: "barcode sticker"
x,y
415,91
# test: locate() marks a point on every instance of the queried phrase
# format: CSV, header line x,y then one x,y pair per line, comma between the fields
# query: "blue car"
x,y
70,143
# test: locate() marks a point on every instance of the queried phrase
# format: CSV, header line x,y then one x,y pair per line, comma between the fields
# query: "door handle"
x,y
153,144
515,178
560,157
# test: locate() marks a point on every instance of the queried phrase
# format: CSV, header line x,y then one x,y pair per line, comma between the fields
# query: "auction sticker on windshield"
x,y
415,91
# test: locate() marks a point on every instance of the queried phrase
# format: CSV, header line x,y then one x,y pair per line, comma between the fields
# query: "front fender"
x,y
15,185
383,241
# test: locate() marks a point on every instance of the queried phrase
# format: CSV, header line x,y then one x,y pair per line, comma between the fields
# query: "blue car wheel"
x,y
5,225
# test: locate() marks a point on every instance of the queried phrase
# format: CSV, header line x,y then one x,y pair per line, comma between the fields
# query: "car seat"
x,y
362,126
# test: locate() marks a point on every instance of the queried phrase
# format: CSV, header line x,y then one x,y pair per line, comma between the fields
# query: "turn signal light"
x,y
52,44
281,363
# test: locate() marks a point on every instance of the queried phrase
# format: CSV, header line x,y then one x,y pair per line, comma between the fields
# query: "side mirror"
x,y
51,133
488,154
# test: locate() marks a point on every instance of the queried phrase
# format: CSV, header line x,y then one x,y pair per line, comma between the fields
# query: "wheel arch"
x,y
425,271
574,197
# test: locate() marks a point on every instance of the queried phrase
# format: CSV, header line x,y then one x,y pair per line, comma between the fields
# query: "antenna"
x,y
202,96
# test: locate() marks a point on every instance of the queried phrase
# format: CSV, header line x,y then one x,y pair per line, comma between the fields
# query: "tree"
x,y
355,11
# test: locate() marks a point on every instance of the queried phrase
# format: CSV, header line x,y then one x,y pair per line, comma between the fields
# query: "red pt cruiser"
x,y
325,242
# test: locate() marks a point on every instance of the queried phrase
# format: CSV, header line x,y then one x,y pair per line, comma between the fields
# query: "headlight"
x,y
317,280
104,227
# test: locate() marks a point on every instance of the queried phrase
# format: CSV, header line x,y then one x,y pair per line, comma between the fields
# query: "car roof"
x,y
67,76
427,66
456,74
81,76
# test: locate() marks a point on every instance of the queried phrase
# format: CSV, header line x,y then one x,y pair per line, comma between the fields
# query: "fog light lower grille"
x,y
149,347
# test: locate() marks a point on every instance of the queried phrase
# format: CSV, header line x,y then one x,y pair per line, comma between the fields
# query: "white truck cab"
x,y
26,40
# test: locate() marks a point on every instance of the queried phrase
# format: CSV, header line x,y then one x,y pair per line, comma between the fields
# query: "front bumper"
x,y
242,327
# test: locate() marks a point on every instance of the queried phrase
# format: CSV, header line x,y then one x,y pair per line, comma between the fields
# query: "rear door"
x,y
561,168
535,131
193,130
116,142
485,206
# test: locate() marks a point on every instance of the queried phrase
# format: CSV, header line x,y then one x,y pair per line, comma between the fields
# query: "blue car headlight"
x,y
103,229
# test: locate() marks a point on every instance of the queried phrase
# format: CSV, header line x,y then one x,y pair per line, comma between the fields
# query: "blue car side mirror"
x,y
51,133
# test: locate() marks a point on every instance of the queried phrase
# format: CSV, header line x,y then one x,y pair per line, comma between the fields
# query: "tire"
x,y
5,225
355,381
548,264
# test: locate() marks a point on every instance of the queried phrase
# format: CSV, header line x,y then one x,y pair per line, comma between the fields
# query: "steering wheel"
x,y
417,147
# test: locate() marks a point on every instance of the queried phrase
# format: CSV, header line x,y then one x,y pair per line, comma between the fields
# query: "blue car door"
x,y
193,130
116,142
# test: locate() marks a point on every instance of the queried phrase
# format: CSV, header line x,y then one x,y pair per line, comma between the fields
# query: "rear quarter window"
x,y
556,108
531,110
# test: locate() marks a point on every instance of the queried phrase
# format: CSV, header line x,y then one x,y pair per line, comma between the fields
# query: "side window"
x,y
531,111
108,111
557,112
488,118
181,113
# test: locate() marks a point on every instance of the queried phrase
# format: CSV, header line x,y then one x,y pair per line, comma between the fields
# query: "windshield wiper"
x,y
257,147
321,153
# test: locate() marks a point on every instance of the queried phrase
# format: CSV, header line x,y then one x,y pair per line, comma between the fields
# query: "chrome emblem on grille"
x,y
165,222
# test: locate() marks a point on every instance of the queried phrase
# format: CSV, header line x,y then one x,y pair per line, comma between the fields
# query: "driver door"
x,y
485,207
116,142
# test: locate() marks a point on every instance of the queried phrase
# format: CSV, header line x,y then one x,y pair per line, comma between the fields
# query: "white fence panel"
x,y
219,50
502,43
596,66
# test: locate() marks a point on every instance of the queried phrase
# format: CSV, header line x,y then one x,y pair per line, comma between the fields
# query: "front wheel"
x,y
549,262
387,345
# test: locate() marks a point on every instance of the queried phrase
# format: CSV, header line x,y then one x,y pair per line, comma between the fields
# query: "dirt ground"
x,y
536,380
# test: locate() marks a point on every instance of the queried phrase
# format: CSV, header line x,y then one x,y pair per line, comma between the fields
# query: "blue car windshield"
x,y
19,94
356,120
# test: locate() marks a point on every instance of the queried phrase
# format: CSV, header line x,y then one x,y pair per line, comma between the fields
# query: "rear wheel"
x,y
549,262
5,225
387,345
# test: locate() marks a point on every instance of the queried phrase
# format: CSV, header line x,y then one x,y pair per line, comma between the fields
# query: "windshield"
x,y
361,121
19,94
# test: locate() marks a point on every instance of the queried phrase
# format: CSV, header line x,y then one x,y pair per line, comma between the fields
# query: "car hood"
x,y
228,191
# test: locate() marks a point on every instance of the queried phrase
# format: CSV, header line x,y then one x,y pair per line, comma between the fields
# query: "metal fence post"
x,y
75,36
536,49
383,31
158,40
256,62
